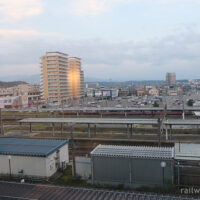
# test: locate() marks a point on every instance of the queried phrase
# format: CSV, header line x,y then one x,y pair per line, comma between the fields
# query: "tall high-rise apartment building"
x,y
171,79
55,77
75,77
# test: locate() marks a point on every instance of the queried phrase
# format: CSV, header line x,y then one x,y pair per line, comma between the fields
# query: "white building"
x,y
32,157
154,92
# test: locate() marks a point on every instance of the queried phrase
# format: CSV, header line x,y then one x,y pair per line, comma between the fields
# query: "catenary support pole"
x,y
1,123
170,132
95,129
128,131
30,128
159,132
89,133
131,130
73,150
166,130
53,129
61,128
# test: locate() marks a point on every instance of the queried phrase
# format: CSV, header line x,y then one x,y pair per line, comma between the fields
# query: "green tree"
x,y
190,102
155,104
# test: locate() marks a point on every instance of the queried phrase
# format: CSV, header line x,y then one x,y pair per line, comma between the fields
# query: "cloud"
x,y
12,33
14,10
15,34
129,60
19,69
94,7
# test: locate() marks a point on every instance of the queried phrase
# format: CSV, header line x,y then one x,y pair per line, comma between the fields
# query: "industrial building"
x,y
39,158
132,166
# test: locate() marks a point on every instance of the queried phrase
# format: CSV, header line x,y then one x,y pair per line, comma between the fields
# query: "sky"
x,y
117,40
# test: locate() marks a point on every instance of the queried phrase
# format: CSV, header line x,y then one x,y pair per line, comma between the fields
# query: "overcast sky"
x,y
116,39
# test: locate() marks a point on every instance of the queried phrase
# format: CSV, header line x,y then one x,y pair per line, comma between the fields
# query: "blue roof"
x,y
30,147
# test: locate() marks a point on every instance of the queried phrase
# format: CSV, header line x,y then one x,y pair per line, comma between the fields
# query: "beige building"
x,y
21,89
171,79
75,77
61,77
141,92
154,92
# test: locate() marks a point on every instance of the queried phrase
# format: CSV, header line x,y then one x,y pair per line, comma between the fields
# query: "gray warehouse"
x,y
132,166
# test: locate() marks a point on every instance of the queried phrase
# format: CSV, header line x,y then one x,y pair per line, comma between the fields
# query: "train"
x,y
127,112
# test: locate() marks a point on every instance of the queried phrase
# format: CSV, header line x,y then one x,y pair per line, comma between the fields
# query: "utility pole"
x,y
37,108
1,123
183,109
73,150
159,132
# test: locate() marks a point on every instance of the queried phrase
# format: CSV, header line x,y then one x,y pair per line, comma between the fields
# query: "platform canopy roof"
x,y
110,121
89,120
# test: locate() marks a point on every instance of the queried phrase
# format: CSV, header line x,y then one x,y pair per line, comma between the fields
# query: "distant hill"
x,y
11,84
32,79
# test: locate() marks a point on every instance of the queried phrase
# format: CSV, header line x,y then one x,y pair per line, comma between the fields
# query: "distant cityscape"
x,y
62,84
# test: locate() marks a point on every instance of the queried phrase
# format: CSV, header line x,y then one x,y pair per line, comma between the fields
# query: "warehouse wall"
x,y
111,169
32,166
149,171
83,167
131,171
64,154
51,166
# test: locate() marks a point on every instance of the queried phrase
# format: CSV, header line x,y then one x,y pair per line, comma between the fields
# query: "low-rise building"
x,y
32,157
103,93
14,102
132,166
154,92
141,92
21,89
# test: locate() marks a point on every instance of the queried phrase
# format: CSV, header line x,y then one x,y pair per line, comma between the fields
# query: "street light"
x,y
9,159
163,165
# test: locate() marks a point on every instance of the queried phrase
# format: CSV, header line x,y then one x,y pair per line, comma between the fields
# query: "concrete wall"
x,y
83,167
131,171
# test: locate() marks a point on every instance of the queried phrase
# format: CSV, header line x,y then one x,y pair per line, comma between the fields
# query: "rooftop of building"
x,y
42,192
74,58
29,147
187,151
134,151
56,52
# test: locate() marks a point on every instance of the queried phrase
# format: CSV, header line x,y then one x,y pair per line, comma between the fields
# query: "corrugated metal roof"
x,y
29,147
44,192
133,151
